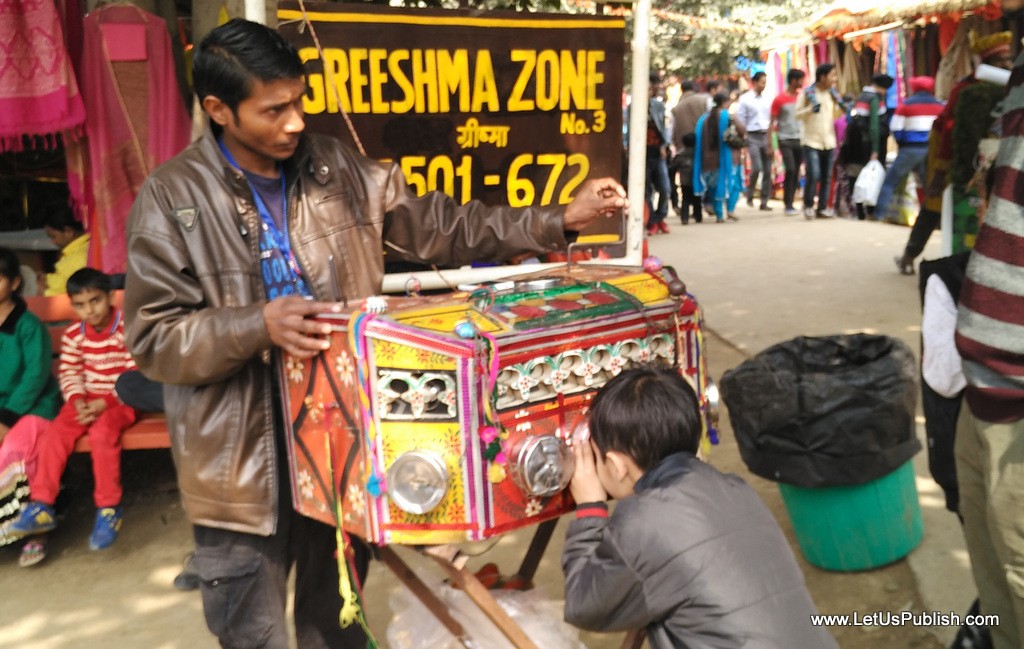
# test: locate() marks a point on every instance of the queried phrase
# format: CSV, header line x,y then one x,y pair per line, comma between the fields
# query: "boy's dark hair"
x,y
646,413
795,75
235,54
758,75
687,86
88,279
10,267
711,85
822,71
61,217
882,81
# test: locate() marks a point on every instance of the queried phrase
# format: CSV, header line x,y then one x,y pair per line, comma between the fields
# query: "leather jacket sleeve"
x,y
175,335
434,229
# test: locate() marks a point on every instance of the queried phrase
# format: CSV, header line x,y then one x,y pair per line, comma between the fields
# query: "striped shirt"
x,y
912,121
91,361
990,321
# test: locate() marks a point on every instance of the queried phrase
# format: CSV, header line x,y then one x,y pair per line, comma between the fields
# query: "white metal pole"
x,y
946,222
638,131
256,11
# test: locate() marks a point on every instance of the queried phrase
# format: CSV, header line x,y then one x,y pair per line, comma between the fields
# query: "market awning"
x,y
846,16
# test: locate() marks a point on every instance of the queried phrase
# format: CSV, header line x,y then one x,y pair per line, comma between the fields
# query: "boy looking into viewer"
x,y
92,356
690,553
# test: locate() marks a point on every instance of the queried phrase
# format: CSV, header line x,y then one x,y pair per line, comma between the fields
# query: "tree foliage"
x,y
693,38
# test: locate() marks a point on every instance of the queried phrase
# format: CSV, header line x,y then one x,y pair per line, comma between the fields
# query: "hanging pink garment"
x,y
38,92
135,121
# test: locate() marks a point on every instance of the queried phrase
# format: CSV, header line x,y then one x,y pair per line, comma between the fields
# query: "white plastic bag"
x,y
414,627
869,183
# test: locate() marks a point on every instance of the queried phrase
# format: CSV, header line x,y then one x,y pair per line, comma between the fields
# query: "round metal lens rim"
x,y
435,463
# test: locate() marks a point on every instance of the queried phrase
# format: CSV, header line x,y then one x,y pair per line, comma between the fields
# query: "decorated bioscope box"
x,y
446,418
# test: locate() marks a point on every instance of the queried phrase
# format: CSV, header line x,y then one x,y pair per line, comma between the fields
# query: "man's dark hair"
x,y
795,75
647,414
60,217
654,77
687,86
711,85
882,81
235,54
822,71
10,267
757,76
88,279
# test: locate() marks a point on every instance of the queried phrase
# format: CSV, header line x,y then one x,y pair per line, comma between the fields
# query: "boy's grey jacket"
x,y
696,558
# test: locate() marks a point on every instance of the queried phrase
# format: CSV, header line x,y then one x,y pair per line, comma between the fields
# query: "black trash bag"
x,y
828,411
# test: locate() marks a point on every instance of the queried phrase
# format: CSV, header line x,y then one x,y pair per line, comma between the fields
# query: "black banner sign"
x,y
507,108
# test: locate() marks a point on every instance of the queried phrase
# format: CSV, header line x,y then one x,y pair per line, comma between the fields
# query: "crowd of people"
x,y
715,146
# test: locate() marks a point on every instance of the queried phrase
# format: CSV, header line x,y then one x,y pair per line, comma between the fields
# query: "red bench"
x,y
150,431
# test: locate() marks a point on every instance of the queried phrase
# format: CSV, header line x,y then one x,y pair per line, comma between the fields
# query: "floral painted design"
x,y
355,503
314,409
345,367
295,369
533,507
306,484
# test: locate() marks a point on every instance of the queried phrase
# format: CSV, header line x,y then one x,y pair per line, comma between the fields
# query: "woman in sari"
x,y
717,172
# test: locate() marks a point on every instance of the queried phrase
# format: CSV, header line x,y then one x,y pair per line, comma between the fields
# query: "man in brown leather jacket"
x,y
228,258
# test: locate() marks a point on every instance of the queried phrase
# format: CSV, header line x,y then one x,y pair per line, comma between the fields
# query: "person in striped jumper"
x,y
93,355
910,126
990,431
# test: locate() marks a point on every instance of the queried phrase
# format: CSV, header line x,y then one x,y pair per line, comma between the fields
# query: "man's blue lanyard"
x,y
275,237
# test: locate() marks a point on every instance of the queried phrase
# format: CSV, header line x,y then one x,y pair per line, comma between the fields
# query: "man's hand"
x,y
585,486
289,326
597,197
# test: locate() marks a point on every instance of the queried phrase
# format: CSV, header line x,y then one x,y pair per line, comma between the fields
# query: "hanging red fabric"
x,y
120,152
38,92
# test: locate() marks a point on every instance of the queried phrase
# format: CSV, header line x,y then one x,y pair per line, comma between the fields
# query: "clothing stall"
x,y
104,105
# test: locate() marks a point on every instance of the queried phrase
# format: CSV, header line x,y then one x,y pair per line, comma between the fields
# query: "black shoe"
x,y
904,265
188,578
972,637
765,208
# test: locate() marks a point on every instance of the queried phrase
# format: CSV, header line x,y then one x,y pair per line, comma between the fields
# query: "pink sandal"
x,y
32,552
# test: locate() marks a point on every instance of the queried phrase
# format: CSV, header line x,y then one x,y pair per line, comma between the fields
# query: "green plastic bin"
x,y
857,527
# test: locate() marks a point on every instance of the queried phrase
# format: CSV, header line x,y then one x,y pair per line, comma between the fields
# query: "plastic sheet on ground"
x,y
414,627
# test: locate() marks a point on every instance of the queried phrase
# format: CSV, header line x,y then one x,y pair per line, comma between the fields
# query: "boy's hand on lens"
x,y
585,486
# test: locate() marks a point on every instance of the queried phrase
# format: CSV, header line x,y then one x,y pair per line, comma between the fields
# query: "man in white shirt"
x,y
754,113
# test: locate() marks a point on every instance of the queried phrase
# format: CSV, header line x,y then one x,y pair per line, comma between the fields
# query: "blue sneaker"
x,y
108,524
35,518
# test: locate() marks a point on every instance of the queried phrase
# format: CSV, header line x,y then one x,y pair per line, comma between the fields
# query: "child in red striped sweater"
x,y
93,355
